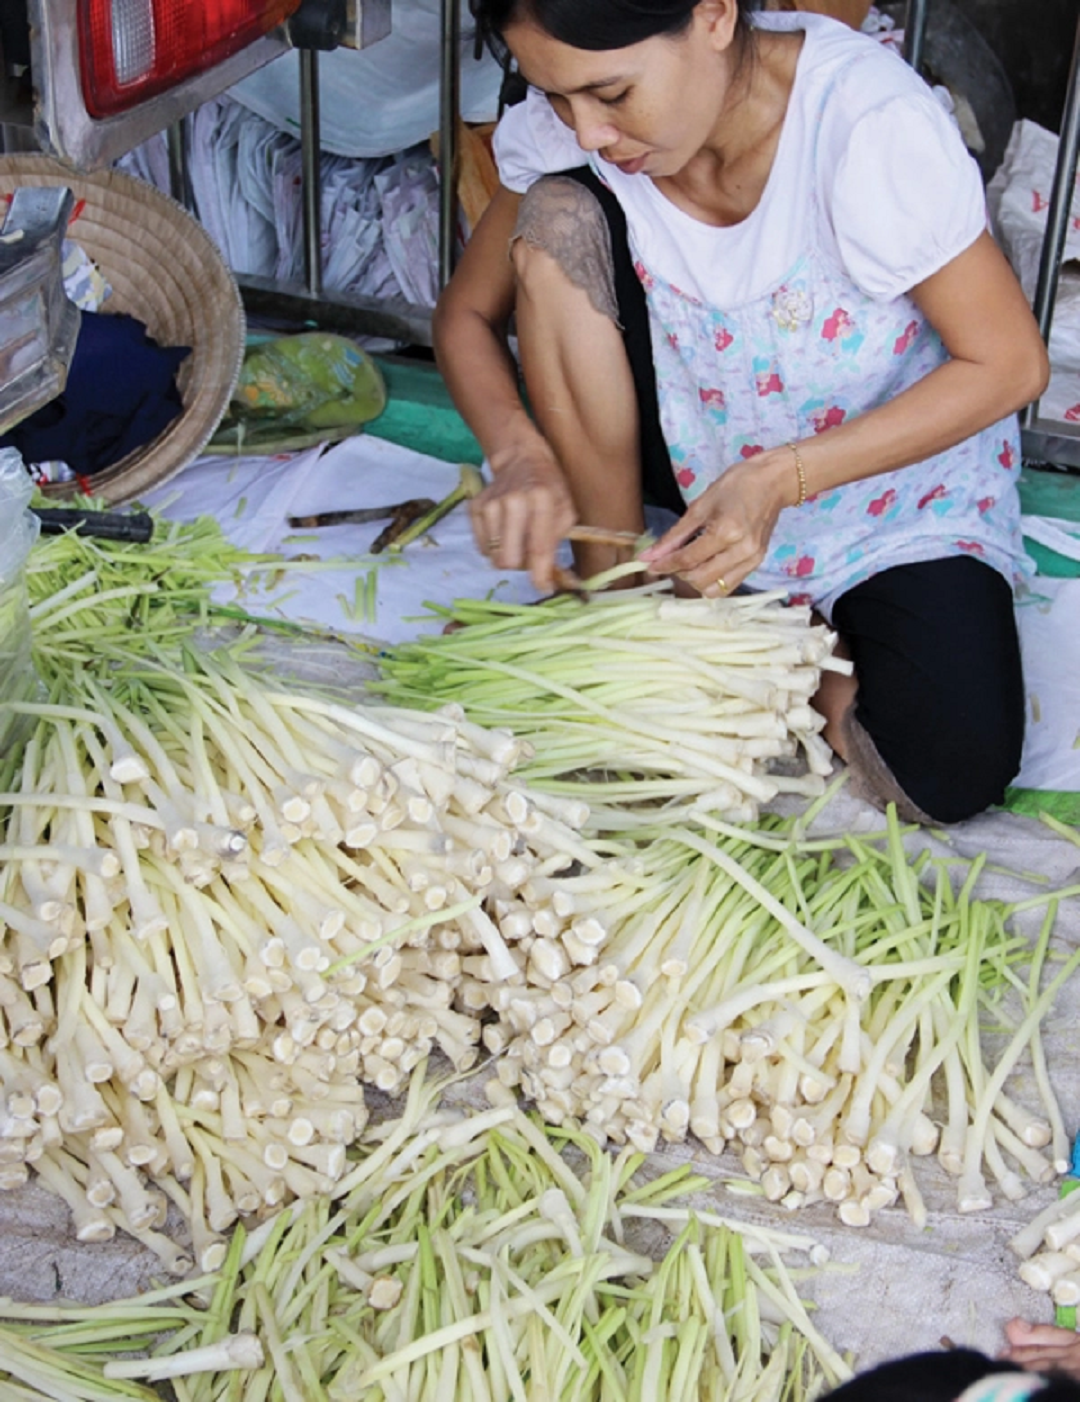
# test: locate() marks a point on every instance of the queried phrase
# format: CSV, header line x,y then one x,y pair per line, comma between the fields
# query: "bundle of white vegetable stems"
x,y
226,901
464,1257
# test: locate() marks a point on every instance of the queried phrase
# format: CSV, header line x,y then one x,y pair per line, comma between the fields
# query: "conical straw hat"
x,y
165,270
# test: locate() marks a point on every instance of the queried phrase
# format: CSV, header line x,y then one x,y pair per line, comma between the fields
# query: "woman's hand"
x,y
520,518
725,532
1043,1347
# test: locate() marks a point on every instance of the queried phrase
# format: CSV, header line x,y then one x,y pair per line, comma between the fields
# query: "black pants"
x,y
934,644
941,691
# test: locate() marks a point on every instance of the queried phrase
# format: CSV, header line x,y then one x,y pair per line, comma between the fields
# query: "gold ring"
x,y
494,541
720,582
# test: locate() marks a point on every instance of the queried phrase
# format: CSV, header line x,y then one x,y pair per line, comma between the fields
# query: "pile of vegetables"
x,y
463,1258
227,902
1049,1250
637,699
802,1002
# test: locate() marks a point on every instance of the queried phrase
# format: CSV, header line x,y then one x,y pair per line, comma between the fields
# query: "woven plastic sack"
x,y
18,532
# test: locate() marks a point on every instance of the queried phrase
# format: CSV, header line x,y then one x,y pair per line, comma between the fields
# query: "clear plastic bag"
x,y
18,532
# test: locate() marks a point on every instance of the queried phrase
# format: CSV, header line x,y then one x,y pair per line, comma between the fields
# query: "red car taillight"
x,y
131,50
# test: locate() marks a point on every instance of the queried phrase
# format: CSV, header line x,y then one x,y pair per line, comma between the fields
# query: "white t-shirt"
x,y
900,195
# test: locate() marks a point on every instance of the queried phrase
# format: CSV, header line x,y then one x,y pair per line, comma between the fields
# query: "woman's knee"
x,y
561,237
940,697
950,762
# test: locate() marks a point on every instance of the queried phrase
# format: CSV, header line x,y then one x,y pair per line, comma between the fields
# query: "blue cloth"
x,y
120,394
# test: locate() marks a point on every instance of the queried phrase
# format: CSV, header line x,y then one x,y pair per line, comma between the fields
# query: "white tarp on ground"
x,y
892,1289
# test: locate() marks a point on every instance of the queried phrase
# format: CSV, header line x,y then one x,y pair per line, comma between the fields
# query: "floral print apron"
x,y
811,353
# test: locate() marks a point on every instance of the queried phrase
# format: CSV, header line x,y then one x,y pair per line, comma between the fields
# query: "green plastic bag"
x,y
296,391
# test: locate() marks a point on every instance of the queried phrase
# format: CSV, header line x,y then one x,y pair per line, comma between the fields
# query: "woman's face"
x,y
648,108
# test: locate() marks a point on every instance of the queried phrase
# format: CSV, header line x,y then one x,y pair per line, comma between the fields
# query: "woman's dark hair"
x,y
939,1377
589,24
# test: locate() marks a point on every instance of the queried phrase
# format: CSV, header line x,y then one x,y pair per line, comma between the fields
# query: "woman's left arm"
x,y
997,364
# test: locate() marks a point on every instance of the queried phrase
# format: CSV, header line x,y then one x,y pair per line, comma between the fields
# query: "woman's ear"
x,y
719,19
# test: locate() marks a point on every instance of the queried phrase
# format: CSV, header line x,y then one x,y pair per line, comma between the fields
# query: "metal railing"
x,y
1043,440
396,318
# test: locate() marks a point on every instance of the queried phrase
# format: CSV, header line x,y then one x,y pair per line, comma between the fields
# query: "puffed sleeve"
x,y
530,141
906,197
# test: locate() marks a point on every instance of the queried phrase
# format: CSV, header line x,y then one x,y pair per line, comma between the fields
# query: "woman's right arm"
x,y
520,517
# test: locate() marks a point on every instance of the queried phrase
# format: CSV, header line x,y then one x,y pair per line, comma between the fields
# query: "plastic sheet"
x,y
384,98
1019,199
379,217
18,531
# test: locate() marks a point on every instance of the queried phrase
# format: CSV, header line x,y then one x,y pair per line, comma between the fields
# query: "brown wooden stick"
x,y
362,514
600,535
567,582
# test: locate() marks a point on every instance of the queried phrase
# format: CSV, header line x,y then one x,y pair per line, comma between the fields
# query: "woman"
x,y
837,346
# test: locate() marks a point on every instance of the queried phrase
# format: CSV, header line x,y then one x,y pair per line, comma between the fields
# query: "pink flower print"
x,y
984,504
686,477
800,600
723,338
644,277
800,567
904,340
937,493
1072,415
842,331
881,504
1007,456
827,418
713,399
839,324
970,547
767,377
751,450
673,340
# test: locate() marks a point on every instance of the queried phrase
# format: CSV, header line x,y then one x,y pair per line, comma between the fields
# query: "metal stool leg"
x,y
1057,448
1057,219
449,107
915,32
179,173
311,179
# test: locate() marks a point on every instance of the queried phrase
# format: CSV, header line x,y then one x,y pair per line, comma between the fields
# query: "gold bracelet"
x,y
802,474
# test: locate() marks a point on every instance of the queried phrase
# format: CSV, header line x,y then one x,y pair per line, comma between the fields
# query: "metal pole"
x,y
915,32
179,175
449,106
1057,217
311,177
